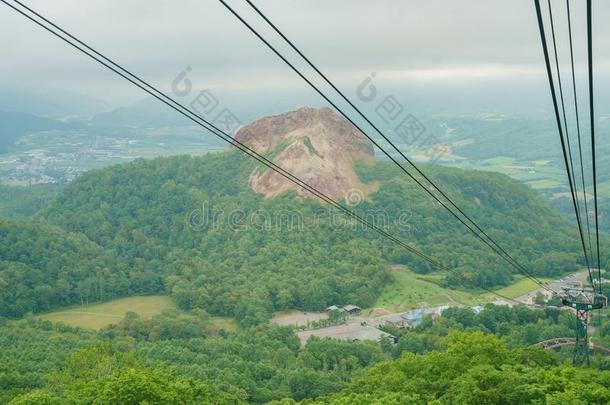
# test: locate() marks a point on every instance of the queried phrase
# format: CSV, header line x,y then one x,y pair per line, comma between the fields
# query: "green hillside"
x,y
192,227
25,201
15,124
44,267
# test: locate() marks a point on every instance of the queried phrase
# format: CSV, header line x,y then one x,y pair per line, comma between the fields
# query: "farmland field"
x,y
538,174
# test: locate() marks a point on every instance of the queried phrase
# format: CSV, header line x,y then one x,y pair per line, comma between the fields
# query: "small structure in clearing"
x,y
352,309
417,316
396,320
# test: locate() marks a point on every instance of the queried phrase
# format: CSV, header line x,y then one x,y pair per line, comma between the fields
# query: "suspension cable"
x,y
558,121
170,102
592,119
582,172
493,244
570,171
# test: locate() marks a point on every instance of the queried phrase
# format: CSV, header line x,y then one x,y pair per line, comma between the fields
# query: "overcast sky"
x,y
418,43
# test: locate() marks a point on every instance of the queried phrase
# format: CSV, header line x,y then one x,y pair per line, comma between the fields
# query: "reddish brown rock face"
x,y
316,145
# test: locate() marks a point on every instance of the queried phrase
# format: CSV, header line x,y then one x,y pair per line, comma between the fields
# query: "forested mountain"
x,y
150,213
48,101
144,113
193,227
206,230
197,229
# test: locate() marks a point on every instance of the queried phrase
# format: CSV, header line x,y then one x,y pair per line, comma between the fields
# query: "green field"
x,y
97,316
538,174
521,287
541,162
411,290
500,161
543,183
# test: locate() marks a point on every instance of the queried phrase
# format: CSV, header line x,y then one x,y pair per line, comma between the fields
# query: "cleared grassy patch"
x,y
97,316
411,290
500,160
521,287
545,183
297,317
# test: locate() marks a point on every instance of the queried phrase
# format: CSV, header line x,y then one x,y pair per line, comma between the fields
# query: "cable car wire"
x,y
216,131
491,243
592,119
170,102
558,120
519,267
582,172
570,170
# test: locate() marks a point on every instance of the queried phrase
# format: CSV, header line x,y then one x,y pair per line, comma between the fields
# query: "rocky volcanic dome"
x,y
316,145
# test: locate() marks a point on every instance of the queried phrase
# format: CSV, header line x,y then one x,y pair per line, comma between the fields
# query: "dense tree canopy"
x,y
44,267
25,201
475,368
462,357
172,351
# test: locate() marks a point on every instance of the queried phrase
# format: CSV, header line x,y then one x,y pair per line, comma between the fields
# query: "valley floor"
x,y
409,292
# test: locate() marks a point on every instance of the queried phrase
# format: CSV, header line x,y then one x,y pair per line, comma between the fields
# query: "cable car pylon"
x,y
583,302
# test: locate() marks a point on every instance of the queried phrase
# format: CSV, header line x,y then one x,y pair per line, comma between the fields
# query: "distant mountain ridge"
x,y
147,112
15,125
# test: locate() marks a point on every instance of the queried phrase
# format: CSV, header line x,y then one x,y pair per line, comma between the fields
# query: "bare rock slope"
x,y
316,145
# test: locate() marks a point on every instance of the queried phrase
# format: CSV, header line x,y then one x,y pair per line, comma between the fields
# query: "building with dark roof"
x,y
352,309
